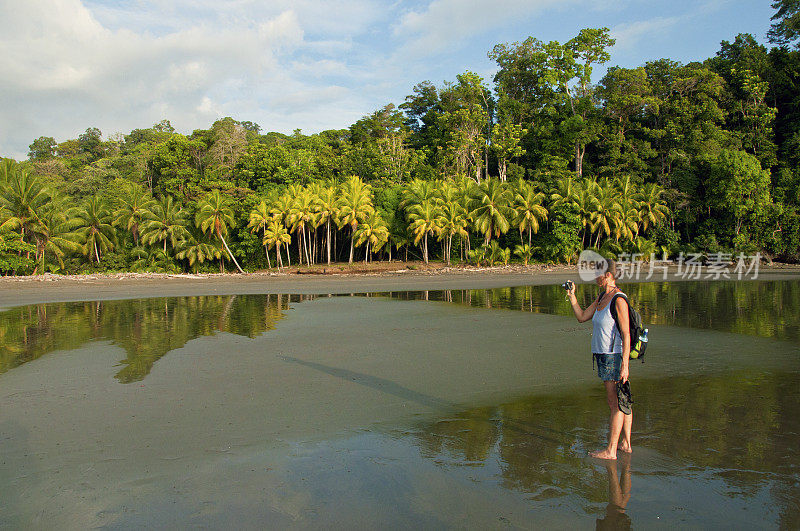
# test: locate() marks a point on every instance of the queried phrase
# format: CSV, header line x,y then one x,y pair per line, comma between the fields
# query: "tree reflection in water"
x,y
146,329
761,308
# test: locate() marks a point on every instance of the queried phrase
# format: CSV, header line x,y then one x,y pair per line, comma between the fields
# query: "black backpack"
x,y
638,341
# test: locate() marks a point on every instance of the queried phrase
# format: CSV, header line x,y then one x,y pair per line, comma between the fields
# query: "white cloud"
x,y
628,35
71,64
448,23
65,70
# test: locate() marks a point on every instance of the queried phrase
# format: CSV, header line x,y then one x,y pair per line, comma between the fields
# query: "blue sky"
x,y
286,64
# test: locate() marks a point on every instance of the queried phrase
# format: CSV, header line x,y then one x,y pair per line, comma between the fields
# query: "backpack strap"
x,y
613,309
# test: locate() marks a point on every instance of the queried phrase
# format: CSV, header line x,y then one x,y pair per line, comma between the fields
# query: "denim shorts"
x,y
608,366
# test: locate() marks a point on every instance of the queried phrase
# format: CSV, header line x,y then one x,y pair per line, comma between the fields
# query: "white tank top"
x,y
605,337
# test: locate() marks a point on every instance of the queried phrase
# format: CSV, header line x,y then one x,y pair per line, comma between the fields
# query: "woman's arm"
x,y
625,329
581,315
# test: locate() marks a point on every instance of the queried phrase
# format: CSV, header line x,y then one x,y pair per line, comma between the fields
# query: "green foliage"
x,y
42,149
477,256
739,187
786,27
15,255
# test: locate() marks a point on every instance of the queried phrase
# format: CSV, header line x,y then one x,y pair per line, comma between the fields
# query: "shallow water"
x,y
388,410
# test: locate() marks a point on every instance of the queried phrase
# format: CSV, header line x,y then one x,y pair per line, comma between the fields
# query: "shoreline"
x,y
19,291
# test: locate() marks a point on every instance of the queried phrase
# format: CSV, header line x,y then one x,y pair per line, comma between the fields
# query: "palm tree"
x,y
55,231
276,235
525,252
22,196
587,205
372,231
259,218
153,259
215,216
7,166
529,209
355,205
94,220
607,215
627,226
326,198
135,209
196,250
653,208
465,186
452,219
280,209
565,192
423,217
167,223
418,191
629,217
300,217
490,207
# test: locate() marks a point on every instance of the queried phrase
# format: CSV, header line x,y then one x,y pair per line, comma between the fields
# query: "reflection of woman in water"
x,y
619,494
611,350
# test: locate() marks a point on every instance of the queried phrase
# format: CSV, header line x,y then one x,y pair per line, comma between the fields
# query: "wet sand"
x,y
16,291
294,428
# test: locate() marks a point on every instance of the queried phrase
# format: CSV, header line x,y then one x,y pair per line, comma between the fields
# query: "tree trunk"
x,y
352,237
449,247
266,250
299,239
426,247
96,254
579,159
328,240
230,253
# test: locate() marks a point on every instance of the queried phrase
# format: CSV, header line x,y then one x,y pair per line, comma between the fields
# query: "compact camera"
x,y
568,285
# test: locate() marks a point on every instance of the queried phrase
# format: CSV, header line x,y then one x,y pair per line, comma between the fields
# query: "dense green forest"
x,y
538,164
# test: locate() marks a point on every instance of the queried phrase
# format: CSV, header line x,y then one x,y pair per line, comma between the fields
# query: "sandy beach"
x,y
17,291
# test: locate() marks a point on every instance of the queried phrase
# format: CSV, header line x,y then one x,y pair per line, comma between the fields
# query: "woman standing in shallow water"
x,y
611,350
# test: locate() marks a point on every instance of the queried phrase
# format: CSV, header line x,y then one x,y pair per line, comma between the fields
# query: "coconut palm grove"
x,y
534,165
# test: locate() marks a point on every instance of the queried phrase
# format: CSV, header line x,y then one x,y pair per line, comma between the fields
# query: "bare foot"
x,y
625,447
603,454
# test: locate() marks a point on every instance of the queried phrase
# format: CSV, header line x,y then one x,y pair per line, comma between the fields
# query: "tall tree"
x,y
42,149
355,206
373,232
22,196
465,120
214,217
423,217
490,208
94,225
134,209
786,27
529,211
167,224
258,221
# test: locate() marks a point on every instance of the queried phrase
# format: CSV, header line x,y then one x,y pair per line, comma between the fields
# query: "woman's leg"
x,y
615,423
625,444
